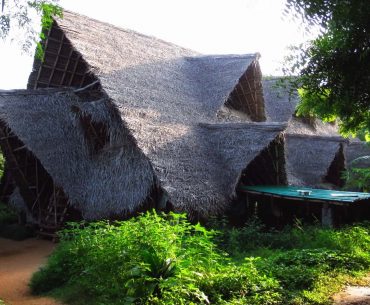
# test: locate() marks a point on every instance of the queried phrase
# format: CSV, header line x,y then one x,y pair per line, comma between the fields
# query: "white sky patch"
x,y
206,26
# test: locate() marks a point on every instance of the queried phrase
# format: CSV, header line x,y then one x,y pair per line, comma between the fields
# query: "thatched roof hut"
x,y
160,121
152,125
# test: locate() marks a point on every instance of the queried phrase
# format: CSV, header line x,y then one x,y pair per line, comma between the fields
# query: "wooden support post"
x,y
66,67
326,215
245,94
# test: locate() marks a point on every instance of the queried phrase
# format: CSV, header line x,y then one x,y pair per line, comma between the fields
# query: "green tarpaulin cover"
x,y
305,193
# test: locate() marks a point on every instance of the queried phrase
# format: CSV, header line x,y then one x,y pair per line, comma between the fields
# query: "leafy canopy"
x,y
334,69
17,16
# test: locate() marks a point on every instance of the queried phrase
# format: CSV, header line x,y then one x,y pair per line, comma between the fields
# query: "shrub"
x,y
151,259
309,262
7,215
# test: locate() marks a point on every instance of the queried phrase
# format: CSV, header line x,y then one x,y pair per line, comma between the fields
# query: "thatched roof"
x,y
311,145
201,169
198,168
114,181
164,92
168,118
308,158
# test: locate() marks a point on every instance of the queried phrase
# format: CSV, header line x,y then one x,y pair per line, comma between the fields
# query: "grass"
x,y
155,259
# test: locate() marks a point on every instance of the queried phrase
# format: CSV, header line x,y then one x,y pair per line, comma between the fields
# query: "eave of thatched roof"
x,y
116,180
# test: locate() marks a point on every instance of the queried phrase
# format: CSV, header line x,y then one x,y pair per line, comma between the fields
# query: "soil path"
x,y
353,295
18,261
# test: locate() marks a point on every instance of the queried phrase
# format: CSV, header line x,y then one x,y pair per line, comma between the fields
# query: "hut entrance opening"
x,y
336,168
45,202
267,168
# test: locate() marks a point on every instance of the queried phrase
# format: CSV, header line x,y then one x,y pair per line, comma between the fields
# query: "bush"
x,y
165,260
7,215
309,262
357,176
150,259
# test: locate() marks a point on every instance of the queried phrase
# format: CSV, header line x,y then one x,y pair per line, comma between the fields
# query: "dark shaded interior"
x,y
268,168
336,169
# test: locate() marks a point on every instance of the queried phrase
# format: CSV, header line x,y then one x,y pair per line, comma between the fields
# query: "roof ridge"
x,y
223,56
126,30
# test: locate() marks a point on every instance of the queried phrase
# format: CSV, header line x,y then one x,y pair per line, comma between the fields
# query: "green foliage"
x,y
356,177
18,14
310,263
164,260
150,259
334,69
7,215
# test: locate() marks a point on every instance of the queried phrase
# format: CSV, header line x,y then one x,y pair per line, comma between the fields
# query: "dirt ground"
x,y
353,295
18,260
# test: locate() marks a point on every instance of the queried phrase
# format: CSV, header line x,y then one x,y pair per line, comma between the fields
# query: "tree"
x,y
334,69
17,14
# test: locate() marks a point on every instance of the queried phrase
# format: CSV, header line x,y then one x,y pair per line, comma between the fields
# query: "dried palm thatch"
x,y
308,158
173,101
199,169
100,184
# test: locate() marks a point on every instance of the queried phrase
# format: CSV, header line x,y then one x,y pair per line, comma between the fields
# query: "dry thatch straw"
x,y
164,92
112,181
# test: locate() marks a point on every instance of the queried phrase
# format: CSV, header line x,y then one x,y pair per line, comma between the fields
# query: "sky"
x,y
206,26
